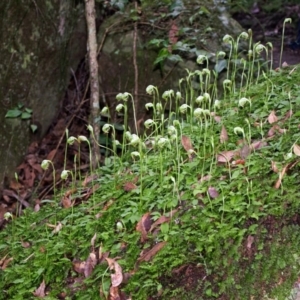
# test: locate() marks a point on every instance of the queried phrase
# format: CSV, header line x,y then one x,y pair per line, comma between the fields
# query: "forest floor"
x,y
265,28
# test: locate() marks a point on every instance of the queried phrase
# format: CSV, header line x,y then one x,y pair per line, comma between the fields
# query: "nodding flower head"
x,y
162,142
227,83
82,138
159,107
198,113
238,130
150,89
221,54
119,107
171,130
90,128
227,39
217,104
148,105
270,45
206,71
259,48
199,99
149,123
64,174
244,35
125,96
128,135
45,164
104,110
167,94
206,97
119,96
122,96
7,216
135,154
176,123
119,226
201,58
116,142
243,101
183,108
178,96
106,128
135,140
71,140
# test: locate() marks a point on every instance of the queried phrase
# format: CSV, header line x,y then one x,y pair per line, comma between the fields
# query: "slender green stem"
x,y
282,40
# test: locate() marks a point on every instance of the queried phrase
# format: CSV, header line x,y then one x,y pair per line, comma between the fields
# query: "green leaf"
x,y
162,55
29,110
158,42
181,47
221,65
175,58
118,126
25,115
33,128
13,113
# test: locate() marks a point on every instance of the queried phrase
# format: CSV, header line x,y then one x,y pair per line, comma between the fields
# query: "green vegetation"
x,y
202,205
23,113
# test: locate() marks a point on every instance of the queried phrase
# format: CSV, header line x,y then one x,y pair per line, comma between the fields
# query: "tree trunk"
x,y
94,81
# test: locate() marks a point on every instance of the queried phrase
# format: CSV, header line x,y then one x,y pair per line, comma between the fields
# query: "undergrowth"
x,y
203,205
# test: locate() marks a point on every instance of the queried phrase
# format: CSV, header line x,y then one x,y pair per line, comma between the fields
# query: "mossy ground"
x,y
226,230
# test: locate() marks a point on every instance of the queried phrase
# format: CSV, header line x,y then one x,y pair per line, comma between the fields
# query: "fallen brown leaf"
x,y
66,202
114,293
93,240
57,227
143,226
272,131
256,145
25,244
78,266
117,275
287,115
129,186
281,174
160,220
186,143
272,118
274,167
216,118
148,256
12,194
89,179
205,178
15,185
223,135
226,156
188,147
90,265
296,149
250,240
37,207
213,193
5,263
40,291
245,151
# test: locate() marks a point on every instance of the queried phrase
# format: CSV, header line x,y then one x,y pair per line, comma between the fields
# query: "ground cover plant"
x,y
202,205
